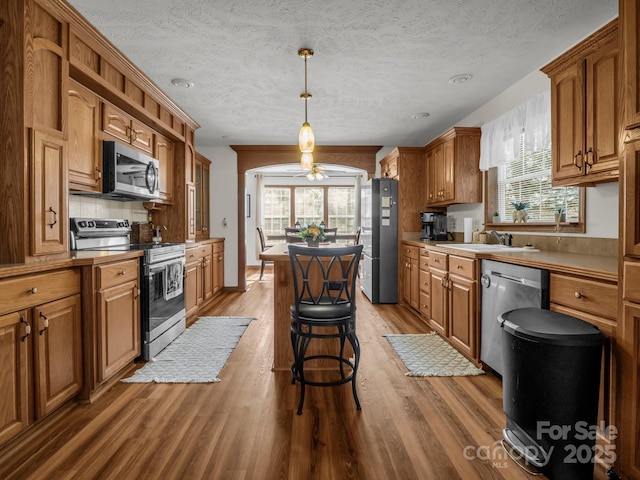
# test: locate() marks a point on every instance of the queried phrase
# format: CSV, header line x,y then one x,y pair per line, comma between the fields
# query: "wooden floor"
x,y
245,427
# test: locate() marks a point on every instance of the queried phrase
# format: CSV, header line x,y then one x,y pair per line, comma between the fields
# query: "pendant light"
x,y
306,138
306,161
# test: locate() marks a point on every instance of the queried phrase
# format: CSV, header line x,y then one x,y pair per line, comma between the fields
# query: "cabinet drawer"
x,y
631,287
117,273
218,247
204,250
424,259
411,251
464,267
425,305
191,254
590,296
425,281
24,292
438,260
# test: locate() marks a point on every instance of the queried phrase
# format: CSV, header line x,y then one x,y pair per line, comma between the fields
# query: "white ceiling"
x,y
376,64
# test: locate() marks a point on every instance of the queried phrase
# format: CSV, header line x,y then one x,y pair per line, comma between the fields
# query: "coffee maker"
x,y
434,226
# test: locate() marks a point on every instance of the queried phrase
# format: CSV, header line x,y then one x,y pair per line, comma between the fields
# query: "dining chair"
x,y
291,235
324,309
356,238
331,234
263,247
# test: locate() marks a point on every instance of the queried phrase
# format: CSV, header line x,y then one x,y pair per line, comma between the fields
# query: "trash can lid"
x,y
549,327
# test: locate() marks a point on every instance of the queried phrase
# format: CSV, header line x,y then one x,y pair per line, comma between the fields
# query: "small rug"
x,y
428,355
196,356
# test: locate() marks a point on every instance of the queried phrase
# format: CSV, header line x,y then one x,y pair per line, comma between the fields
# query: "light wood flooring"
x,y
245,427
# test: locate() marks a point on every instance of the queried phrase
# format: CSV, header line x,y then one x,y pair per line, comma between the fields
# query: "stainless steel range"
x,y
161,274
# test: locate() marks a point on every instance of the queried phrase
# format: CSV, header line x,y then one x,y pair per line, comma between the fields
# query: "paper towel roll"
x,y
468,229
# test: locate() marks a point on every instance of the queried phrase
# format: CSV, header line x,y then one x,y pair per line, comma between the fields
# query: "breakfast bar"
x,y
283,297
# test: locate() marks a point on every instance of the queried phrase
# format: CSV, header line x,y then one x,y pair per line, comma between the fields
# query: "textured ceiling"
x,y
376,64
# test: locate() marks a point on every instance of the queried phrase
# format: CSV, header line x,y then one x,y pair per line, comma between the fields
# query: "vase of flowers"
x,y
560,215
312,234
520,212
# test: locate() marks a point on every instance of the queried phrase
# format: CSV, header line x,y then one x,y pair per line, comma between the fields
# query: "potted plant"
x,y
560,215
312,234
520,211
496,217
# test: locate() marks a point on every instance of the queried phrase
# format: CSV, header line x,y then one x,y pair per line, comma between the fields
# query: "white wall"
x,y
601,201
223,206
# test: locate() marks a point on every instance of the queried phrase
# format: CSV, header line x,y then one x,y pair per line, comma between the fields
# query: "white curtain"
x,y
500,140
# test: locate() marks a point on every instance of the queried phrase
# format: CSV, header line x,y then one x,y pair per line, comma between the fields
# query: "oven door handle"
x,y
159,267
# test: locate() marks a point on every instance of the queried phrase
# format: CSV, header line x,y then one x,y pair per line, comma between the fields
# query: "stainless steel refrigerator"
x,y
379,236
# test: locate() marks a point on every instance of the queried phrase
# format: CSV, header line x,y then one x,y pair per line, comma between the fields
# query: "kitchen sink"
x,y
485,248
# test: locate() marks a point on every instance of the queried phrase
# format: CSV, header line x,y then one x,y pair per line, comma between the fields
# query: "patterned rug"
x,y
429,355
196,356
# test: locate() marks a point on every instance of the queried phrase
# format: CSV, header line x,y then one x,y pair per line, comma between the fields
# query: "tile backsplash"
x,y
84,206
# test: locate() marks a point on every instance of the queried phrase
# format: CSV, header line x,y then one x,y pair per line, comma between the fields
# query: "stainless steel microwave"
x,y
128,174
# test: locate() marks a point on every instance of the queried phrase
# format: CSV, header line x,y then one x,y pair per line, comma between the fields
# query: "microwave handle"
x,y
151,188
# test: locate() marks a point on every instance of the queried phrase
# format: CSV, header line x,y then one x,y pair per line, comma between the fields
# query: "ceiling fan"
x,y
317,172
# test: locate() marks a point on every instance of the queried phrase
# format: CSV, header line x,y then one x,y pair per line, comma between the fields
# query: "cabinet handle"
x,y
134,135
33,291
128,132
575,159
458,267
123,272
27,329
97,174
589,158
137,293
45,323
55,217
578,295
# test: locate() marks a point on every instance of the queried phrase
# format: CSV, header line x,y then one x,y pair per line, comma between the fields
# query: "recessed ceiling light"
x,y
182,83
462,78
228,137
420,116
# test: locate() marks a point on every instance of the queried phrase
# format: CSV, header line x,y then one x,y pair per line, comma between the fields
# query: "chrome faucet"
x,y
504,239
498,236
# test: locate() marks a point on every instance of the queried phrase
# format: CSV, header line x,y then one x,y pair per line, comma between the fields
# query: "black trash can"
x,y
550,390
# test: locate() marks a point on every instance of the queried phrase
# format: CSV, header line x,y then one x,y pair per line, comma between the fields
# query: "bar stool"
x,y
324,309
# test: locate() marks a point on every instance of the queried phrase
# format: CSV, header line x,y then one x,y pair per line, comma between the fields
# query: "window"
x,y
333,205
528,179
276,208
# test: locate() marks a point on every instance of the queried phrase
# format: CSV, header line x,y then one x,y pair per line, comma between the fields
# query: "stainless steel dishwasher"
x,y
507,287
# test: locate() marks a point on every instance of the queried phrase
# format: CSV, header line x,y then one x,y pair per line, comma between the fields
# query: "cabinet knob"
x,y
578,295
458,267
34,290
123,272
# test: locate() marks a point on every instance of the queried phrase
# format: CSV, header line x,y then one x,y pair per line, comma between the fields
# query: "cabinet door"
x,y
141,137
438,173
199,283
439,304
207,277
447,180
165,155
462,314
191,287
85,153
414,268
431,189
603,110
191,212
628,408
14,374
218,272
631,199
630,18
116,123
119,339
406,280
567,121
58,353
49,189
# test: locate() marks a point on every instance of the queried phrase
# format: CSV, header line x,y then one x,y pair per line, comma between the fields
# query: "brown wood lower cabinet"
x,y
454,301
111,302
40,349
204,274
594,301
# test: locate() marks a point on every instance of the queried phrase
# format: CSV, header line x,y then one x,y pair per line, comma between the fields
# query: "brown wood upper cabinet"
x,y
85,152
164,152
453,174
586,110
123,127
630,36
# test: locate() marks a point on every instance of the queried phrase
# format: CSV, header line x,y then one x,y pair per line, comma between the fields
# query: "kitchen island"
x,y
283,297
